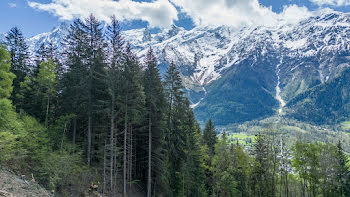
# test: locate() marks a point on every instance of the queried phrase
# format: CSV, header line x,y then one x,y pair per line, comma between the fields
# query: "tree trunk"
x,y
64,132
130,157
47,111
112,144
149,188
89,139
74,130
89,118
125,140
104,169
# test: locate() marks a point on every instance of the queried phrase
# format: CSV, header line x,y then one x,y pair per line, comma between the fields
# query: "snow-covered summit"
x,y
55,36
203,53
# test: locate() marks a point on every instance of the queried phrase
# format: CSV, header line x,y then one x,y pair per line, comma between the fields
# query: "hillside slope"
x,y
327,103
14,186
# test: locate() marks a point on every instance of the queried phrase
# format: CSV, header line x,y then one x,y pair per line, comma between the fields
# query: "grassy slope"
x,y
291,130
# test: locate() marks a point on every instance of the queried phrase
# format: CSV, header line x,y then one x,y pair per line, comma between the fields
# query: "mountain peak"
x,y
146,35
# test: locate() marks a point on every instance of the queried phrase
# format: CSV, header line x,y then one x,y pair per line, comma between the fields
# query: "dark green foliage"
x,y
342,171
185,160
19,61
155,107
327,103
108,126
262,175
242,94
209,140
209,137
224,180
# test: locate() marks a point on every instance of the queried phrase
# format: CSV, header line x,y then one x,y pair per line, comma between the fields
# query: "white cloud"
x,y
336,3
12,5
163,13
294,14
226,12
159,13
238,12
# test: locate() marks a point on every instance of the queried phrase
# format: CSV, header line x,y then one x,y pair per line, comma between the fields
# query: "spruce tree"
x,y
209,139
262,172
175,135
343,172
114,82
96,85
73,82
19,60
133,110
155,107
224,181
193,168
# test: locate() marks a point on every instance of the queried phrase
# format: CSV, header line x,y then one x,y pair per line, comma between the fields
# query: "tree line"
x,y
94,120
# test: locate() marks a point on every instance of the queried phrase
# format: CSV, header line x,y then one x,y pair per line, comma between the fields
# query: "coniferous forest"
x,y
97,121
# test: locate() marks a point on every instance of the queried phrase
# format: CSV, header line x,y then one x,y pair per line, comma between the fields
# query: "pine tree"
x,y
48,52
263,168
132,106
343,172
224,181
193,168
241,169
209,137
114,81
175,135
19,60
73,83
84,80
155,106
95,82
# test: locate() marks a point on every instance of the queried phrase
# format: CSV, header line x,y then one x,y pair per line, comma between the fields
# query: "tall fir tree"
x,y
19,61
262,171
96,85
73,83
209,139
342,171
193,168
133,110
155,107
175,135
115,61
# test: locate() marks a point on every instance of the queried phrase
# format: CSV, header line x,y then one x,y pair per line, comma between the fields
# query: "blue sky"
x,y
38,16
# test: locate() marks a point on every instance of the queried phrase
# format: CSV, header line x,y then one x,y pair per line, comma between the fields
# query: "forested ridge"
x,y
97,121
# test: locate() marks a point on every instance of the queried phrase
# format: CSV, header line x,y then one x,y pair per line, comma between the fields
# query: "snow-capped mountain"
x,y
273,63
55,36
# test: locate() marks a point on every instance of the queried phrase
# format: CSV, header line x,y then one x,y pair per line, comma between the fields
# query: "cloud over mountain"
x,y
159,13
163,13
238,12
337,3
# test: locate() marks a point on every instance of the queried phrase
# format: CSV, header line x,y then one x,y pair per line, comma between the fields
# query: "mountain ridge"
x,y
282,61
